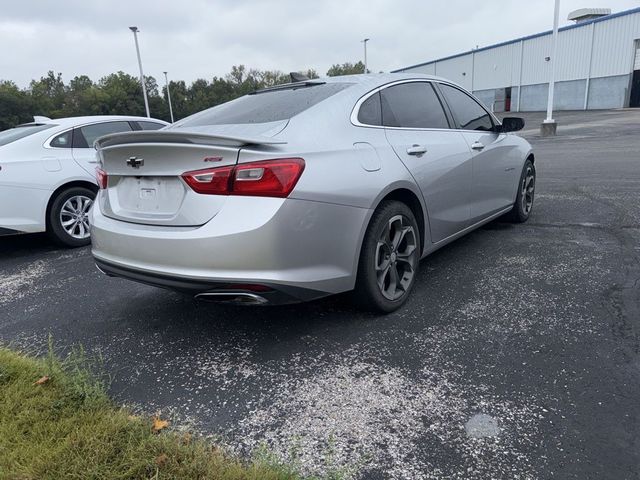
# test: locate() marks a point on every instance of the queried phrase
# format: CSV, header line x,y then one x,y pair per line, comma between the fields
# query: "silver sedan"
x,y
308,189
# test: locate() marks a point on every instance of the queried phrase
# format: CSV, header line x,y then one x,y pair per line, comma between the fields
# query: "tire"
x,y
391,242
70,205
526,191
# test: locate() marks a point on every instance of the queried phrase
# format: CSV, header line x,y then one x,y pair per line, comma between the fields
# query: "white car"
x,y
47,174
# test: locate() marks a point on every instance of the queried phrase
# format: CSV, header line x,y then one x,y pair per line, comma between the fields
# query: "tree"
x,y
179,98
271,78
80,99
311,73
346,68
15,105
48,95
121,94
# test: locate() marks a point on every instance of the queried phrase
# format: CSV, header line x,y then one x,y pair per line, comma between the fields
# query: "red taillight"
x,y
102,178
267,178
270,178
212,181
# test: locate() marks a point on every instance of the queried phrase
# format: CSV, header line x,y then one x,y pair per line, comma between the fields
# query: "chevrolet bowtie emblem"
x,y
135,162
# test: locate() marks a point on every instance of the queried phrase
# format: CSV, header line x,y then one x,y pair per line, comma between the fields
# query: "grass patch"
x,y
67,427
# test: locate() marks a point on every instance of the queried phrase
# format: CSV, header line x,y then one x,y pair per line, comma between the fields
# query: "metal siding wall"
x,y
613,45
613,56
534,68
428,69
573,54
497,68
454,68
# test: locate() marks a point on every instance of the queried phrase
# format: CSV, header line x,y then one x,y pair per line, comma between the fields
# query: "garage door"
x,y
634,98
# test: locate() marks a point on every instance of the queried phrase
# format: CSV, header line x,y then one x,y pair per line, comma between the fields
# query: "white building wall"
x,y
573,53
534,67
457,69
613,45
428,69
588,55
613,50
498,67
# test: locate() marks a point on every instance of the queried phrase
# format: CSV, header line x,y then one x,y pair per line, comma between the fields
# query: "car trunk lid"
x,y
144,174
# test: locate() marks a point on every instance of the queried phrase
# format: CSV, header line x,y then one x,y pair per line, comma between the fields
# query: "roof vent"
x,y
584,14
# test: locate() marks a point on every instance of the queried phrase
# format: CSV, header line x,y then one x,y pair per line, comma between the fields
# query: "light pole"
x,y
166,81
144,88
549,126
365,53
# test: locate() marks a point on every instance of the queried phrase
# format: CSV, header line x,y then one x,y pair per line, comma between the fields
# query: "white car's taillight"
x,y
102,178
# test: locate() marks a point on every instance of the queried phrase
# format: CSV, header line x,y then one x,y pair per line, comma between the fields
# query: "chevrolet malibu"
x,y
47,174
308,189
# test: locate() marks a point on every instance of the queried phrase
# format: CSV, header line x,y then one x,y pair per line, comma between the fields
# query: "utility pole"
x,y
365,53
144,87
549,126
166,81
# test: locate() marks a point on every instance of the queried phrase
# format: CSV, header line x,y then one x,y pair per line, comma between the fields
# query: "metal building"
x,y
598,66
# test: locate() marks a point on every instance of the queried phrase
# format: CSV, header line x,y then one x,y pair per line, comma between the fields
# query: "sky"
x,y
194,39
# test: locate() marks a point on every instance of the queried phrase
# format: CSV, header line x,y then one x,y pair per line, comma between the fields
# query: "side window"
x,y
62,141
87,135
370,112
412,105
150,125
469,114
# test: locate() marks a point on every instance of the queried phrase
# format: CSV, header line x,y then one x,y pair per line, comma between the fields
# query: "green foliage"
x,y
347,68
16,106
121,94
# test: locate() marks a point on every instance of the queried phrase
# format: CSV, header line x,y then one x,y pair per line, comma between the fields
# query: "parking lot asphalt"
x,y
517,355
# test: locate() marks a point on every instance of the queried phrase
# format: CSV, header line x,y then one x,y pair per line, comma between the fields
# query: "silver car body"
x,y
149,226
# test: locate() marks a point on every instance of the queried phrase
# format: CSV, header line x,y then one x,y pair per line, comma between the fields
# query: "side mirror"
x,y
510,124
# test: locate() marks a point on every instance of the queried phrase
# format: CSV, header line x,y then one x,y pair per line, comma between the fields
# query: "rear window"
x,y
265,106
150,125
84,137
13,134
370,112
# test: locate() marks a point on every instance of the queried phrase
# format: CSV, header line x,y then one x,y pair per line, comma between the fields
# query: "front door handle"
x,y
416,150
477,146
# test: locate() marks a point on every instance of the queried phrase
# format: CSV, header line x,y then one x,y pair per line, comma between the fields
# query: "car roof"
x,y
359,84
365,81
381,78
74,121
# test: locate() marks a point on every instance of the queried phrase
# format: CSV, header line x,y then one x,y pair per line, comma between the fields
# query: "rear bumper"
x,y
300,249
273,294
9,231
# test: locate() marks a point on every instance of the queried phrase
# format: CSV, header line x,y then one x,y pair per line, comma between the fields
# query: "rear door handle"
x,y
477,146
416,150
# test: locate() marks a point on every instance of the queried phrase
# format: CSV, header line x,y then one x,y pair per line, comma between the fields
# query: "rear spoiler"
x,y
172,136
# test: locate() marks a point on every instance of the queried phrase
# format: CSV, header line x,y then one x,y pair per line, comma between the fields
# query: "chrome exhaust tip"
x,y
102,271
242,298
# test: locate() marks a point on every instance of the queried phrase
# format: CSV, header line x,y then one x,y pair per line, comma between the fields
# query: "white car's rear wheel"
x,y
68,220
